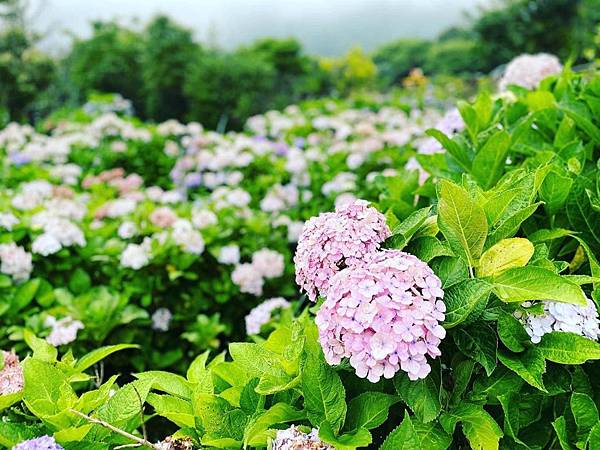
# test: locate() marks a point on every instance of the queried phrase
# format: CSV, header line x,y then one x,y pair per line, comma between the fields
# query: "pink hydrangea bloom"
x,y
11,375
384,315
334,240
163,217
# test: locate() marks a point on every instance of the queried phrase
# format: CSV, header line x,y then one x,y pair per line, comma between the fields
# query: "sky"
x,y
325,27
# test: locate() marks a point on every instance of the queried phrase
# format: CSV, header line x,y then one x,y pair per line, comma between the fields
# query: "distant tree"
x,y
395,60
355,70
453,56
167,54
109,61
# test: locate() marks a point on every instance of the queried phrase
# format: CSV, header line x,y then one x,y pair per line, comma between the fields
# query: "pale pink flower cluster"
x,y
250,277
334,240
15,261
269,263
293,438
529,70
163,217
384,315
64,331
261,314
11,375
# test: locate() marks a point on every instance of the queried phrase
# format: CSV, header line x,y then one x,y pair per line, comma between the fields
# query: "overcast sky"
x,y
325,27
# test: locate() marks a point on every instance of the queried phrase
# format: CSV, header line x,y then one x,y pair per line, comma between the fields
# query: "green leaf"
x,y
511,224
170,383
324,394
125,404
432,436
405,230
347,441
462,221
529,365
465,300
13,433
256,434
403,437
198,374
369,410
42,350
568,348
422,396
458,152
522,284
554,191
582,122
594,438
256,360
490,160
584,412
506,254
560,427
511,332
24,294
478,342
481,430
99,354
175,409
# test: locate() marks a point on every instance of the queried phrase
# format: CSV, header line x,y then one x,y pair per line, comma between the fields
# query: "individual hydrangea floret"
x,y
269,263
334,240
557,316
64,331
529,70
11,375
293,438
41,443
384,315
261,314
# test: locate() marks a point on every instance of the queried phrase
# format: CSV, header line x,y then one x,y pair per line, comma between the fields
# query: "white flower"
x,y
262,314
64,331
127,230
161,319
294,439
582,320
8,221
46,244
230,254
529,70
189,239
248,279
16,262
295,230
203,218
269,263
135,256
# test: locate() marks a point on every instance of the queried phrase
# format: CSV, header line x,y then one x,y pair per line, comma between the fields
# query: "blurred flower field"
x,y
408,271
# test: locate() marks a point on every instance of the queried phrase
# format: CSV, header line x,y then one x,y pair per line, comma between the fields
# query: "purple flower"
x,y
384,315
332,241
41,443
19,159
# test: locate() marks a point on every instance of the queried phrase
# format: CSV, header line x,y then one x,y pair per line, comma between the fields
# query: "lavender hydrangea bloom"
x,y
294,439
384,315
41,443
582,320
335,240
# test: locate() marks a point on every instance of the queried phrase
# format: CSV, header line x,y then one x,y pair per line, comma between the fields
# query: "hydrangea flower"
x,y
136,256
557,316
163,217
384,315
15,261
334,240
261,314
248,279
45,244
529,70
161,319
64,331
269,263
229,254
41,443
11,375
8,221
294,439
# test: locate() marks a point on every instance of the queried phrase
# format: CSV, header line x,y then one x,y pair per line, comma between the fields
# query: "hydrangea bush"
x,y
449,305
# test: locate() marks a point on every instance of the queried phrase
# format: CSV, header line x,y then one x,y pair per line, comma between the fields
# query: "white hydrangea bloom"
x,y
229,254
557,316
8,221
127,230
248,279
262,313
46,244
269,263
136,256
15,261
161,319
529,70
64,331
203,218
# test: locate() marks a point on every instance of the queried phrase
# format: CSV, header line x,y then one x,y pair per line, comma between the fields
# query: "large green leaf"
x,y
99,354
369,410
522,284
568,348
530,366
422,396
465,300
462,221
481,430
403,437
479,342
506,254
585,412
489,162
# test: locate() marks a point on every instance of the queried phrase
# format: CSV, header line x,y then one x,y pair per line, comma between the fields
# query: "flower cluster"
x,y
261,314
250,277
582,320
41,443
15,261
384,315
161,319
64,331
293,438
332,241
11,375
528,70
